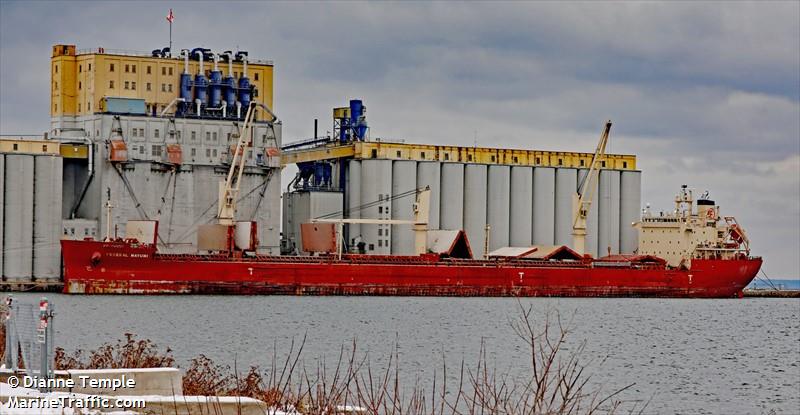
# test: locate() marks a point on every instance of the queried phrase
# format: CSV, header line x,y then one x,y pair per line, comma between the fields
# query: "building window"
x,y
111,84
141,150
560,162
56,68
80,85
133,85
156,151
80,68
127,68
149,68
111,67
624,164
164,70
134,132
208,152
256,76
538,160
583,163
149,85
169,87
194,152
380,232
469,157
179,135
141,132
55,108
90,66
156,133
446,156
371,247
214,136
215,152
163,88
79,107
208,136
235,74
88,106
170,70
603,163
133,69
194,135
380,209
127,85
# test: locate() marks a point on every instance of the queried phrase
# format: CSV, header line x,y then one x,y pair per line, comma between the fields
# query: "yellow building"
x,y
80,79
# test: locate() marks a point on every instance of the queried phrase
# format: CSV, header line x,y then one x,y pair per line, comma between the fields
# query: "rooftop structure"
x,y
81,79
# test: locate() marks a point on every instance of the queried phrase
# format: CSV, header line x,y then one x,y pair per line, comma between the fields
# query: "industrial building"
x,y
148,136
148,133
500,197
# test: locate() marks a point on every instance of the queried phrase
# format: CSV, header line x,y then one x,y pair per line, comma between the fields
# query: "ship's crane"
x,y
229,189
582,200
420,223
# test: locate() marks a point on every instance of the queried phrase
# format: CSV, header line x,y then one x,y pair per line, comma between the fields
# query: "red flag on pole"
x,y
170,16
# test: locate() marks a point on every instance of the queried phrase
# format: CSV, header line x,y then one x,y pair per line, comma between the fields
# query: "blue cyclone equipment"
x,y
358,120
200,87
315,174
186,93
244,91
215,89
229,92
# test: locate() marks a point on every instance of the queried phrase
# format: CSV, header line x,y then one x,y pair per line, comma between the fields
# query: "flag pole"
x,y
170,18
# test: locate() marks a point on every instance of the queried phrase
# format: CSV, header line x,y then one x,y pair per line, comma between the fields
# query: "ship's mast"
x,y
582,200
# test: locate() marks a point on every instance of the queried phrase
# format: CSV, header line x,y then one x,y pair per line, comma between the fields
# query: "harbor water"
x,y
737,356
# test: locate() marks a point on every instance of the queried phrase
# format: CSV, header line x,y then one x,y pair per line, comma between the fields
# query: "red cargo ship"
x,y
128,267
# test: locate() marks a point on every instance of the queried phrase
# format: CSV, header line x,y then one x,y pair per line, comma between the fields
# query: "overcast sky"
x,y
706,94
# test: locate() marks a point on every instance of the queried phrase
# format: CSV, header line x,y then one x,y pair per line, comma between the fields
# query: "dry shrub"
x,y
127,353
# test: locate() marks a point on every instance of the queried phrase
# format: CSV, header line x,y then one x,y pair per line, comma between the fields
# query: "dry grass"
x,y
555,380
127,353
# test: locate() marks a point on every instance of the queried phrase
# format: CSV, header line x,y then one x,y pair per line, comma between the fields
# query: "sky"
x,y
705,94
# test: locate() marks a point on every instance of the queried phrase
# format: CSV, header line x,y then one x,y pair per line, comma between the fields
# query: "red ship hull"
x,y
121,268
